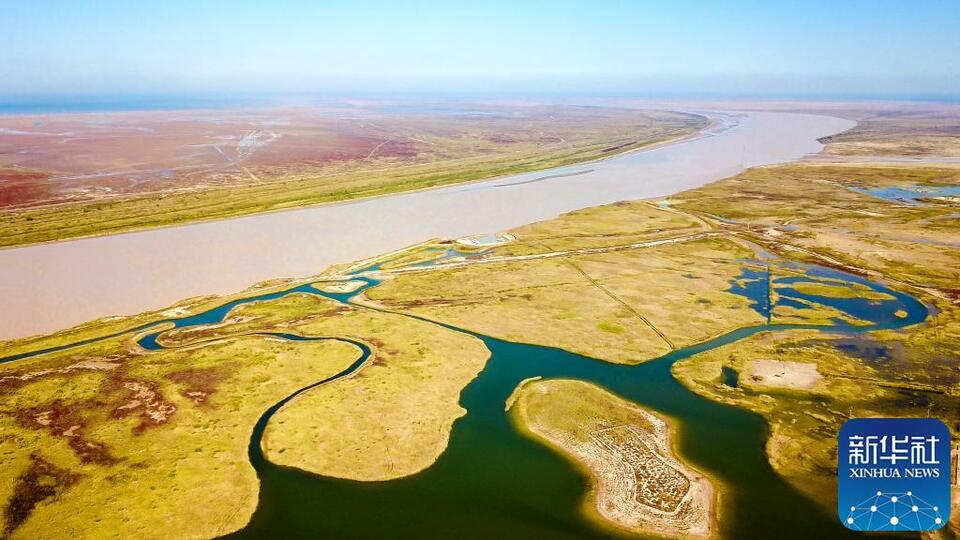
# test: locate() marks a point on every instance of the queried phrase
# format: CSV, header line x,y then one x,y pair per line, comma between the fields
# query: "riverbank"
x,y
486,462
159,267
452,150
714,277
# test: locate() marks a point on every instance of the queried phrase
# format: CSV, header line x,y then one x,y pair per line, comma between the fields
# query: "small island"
x,y
637,482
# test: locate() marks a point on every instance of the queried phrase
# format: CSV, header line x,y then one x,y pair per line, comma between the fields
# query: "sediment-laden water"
x,y
136,272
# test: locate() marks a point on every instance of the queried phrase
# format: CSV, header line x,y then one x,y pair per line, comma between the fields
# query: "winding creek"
x,y
492,482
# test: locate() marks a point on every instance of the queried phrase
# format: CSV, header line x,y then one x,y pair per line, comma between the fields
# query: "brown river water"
x,y
50,287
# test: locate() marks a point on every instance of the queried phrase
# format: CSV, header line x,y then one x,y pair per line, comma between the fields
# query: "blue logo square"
x,y
893,474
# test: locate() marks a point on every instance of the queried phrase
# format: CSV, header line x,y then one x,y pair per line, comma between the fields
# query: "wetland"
x,y
721,335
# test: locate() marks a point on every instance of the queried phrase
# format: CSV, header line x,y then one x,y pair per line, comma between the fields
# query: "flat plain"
x,y
68,176
858,257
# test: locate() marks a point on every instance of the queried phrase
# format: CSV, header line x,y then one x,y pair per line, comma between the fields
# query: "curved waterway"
x,y
142,271
492,482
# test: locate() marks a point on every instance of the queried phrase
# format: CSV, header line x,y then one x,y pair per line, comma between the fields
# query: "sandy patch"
x,y
486,240
176,312
797,375
342,287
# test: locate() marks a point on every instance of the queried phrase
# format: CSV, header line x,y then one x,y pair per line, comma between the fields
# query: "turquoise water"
x,y
730,377
754,283
910,195
491,482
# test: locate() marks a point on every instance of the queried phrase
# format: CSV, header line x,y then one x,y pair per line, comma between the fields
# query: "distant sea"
x,y
21,104
66,103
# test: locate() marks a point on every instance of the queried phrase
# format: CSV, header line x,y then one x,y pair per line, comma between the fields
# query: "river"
x,y
492,482
134,272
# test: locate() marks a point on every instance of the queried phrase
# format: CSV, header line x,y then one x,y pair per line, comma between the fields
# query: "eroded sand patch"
x,y
341,287
797,375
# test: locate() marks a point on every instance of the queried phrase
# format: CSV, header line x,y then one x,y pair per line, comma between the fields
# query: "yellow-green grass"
x,y
807,211
805,422
125,213
392,418
810,206
814,313
624,306
621,446
933,132
600,226
837,291
141,445
152,444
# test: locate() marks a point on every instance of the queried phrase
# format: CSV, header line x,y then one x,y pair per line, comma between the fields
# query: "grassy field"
x,y
916,132
637,482
624,305
530,290
108,438
583,137
814,207
144,444
812,212
391,419
622,283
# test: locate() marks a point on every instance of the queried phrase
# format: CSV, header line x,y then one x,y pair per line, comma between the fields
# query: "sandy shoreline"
x,y
628,465
48,287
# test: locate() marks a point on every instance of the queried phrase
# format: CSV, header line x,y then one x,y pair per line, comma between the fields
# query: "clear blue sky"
x,y
840,46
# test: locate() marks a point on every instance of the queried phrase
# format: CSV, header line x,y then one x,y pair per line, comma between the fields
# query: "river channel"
x,y
126,274
492,482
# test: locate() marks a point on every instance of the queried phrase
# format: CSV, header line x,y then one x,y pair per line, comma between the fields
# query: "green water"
x,y
491,482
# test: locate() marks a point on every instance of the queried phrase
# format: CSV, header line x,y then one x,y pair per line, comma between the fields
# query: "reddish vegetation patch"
x,y
396,149
119,397
63,158
377,360
41,481
200,383
65,421
21,175
96,155
401,305
144,399
18,185
374,343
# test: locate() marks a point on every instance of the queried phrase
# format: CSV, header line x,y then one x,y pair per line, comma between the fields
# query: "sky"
x,y
631,46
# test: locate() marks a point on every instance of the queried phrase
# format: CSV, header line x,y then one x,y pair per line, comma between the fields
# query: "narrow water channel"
x,y
492,482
